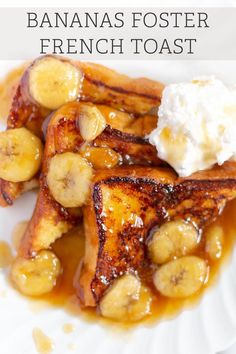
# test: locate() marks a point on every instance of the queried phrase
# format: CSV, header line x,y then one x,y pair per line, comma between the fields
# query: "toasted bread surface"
x,y
63,135
125,204
99,85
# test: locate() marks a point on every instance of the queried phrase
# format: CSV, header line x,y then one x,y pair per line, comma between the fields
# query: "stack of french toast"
x,y
78,131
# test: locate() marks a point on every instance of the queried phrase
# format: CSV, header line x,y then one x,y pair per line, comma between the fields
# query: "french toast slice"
x,y
97,84
50,219
126,203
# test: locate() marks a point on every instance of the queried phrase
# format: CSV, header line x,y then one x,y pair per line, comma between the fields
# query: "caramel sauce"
x,y
70,250
7,90
68,328
6,256
43,343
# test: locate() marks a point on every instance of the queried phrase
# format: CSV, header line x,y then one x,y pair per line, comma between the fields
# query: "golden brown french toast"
x,y
150,236
50,82
96,84
126,203
51,219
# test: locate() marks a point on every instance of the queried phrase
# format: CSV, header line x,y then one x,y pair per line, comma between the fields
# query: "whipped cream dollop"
x,y
196,125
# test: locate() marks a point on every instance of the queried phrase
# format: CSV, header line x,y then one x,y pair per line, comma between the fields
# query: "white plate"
x,y
206,329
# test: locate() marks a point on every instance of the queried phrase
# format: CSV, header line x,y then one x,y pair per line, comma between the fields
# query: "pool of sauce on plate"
x,y
70,250
8,87
43,343
6,255
68,328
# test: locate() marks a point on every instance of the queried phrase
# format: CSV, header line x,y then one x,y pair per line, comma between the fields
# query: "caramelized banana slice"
x,y
142,307
117,119
69,178
173,239
214,241
36,276
91,122
101,157
54,82
126,299
182,277
20,155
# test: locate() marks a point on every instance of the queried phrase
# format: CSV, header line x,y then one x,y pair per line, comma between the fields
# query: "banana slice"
x,y
91,122
36,276
20,155
142,307
214,241
126,299
101,157
173,239
69,178
117,119
182,277
54,82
